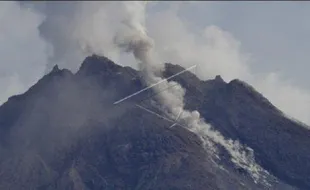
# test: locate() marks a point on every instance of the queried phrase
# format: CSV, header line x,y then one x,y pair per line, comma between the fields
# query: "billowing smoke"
x,y
64,33
77,29
133,38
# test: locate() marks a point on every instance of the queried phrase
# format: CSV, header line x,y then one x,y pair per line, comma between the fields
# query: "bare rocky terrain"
x,y
66,133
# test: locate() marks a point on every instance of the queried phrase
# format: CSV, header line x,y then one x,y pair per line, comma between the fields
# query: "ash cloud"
x,y
70,31
135,40
76,29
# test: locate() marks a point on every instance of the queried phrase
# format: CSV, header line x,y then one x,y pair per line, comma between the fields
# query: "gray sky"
x,y
263,43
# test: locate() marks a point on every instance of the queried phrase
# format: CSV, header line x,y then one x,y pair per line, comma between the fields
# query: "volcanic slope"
x,y
66,133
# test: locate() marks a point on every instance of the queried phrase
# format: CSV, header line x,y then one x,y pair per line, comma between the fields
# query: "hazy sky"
x,y
263,43
276,34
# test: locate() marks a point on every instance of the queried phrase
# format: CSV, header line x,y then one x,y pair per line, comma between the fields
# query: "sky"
x,y
262,43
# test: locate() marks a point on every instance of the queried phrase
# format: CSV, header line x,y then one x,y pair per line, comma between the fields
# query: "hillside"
x,y
66,133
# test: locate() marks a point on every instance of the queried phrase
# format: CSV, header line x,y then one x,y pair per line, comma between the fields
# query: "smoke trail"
x,y
132,37
81,31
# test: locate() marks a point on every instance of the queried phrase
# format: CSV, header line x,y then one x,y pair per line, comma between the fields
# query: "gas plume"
x,y
132,37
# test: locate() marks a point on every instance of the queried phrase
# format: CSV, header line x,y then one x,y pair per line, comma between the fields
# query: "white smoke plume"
x,y
76,29
64,33
133,38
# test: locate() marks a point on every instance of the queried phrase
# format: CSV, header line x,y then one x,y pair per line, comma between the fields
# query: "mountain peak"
x,y
59,72
55,68
238,86
71,124
95,64
218,78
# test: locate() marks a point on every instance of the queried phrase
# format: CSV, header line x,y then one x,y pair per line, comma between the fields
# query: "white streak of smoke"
x,y
133,38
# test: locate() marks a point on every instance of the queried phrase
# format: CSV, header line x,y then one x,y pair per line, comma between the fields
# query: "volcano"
x,y
65,132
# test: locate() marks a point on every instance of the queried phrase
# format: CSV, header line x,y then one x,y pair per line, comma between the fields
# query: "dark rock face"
x,y
240,112
66,133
